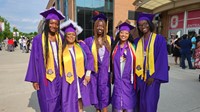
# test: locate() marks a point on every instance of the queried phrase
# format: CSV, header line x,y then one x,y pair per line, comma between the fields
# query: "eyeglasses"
x,y
143,25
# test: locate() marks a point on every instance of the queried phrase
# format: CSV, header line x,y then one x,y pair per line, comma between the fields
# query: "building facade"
x,y
175,17
82,12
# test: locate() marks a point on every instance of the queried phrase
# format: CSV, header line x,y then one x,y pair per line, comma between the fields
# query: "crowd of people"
x,y
24,44
70,74
11,44
187,47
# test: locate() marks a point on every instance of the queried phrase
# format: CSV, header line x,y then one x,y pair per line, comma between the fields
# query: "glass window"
x,y
199,32
88,33
99,5
65,3
84,14
80,17
88,19
58,4
80,3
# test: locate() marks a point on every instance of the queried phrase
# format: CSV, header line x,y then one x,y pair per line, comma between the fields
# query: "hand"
x,y
86,80
111,78
36,86
81,41
150,81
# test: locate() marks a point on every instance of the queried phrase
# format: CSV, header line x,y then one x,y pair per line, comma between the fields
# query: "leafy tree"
x,y
6,32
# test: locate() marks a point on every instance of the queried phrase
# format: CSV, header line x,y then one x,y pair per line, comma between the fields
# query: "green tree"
x,y
6,32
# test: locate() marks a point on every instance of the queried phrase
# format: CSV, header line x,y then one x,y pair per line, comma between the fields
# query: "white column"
x,y
185,23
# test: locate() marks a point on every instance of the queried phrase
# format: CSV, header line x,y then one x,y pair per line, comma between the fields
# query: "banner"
x,y
193,19
176,21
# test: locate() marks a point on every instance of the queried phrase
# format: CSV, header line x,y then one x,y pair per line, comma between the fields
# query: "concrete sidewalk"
x,y
179,95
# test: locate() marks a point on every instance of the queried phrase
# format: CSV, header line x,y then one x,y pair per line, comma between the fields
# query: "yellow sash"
x,y
50,68
140,70
94,53
68,63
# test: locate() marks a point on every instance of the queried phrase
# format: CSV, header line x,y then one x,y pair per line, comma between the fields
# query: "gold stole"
x,y
149,58
50,68
68,63
95,55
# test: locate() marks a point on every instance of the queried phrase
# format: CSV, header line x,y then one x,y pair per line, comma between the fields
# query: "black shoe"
x,y
192,68
183,67
199,77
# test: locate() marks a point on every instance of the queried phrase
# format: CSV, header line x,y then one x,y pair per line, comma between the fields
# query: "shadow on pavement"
x,y
33,102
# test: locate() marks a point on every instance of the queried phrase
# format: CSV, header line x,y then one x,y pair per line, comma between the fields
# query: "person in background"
x,y
100,46
123,62
193,40
185,45
28,43
0,45
24,40
151,63
173,39
197,54
20,43
45,64
10,45
176,51
6,43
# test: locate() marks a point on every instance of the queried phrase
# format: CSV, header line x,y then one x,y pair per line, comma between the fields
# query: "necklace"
x,y
145,48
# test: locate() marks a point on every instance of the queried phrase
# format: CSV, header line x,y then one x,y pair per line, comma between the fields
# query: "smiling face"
x,y
70,37
144,26
124,35
100,28
53,25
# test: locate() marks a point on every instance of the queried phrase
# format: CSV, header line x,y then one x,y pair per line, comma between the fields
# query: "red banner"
x,y
176,21
193,19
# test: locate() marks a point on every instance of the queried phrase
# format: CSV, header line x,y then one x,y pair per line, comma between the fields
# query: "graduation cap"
x,y
100,17
52,13
71,26
125,26
145,16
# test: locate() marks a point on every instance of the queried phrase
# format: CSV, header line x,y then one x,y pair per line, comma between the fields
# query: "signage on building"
x,y
193,19
176,21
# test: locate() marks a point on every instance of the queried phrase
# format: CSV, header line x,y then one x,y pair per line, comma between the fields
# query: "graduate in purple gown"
x,y
100,46
151,63
78,63
45,66
123,62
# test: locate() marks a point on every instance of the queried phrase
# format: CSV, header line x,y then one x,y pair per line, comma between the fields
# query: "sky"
x,y
23,14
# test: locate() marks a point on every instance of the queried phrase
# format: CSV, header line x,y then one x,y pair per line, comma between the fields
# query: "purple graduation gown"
x,y
124,95
70,91
149,95
49,94
101,80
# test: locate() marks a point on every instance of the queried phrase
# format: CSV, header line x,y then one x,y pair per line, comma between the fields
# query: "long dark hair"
x,y
117,39
46,31
151,27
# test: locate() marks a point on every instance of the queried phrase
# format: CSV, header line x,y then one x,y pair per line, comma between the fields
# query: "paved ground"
x,y
179,95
